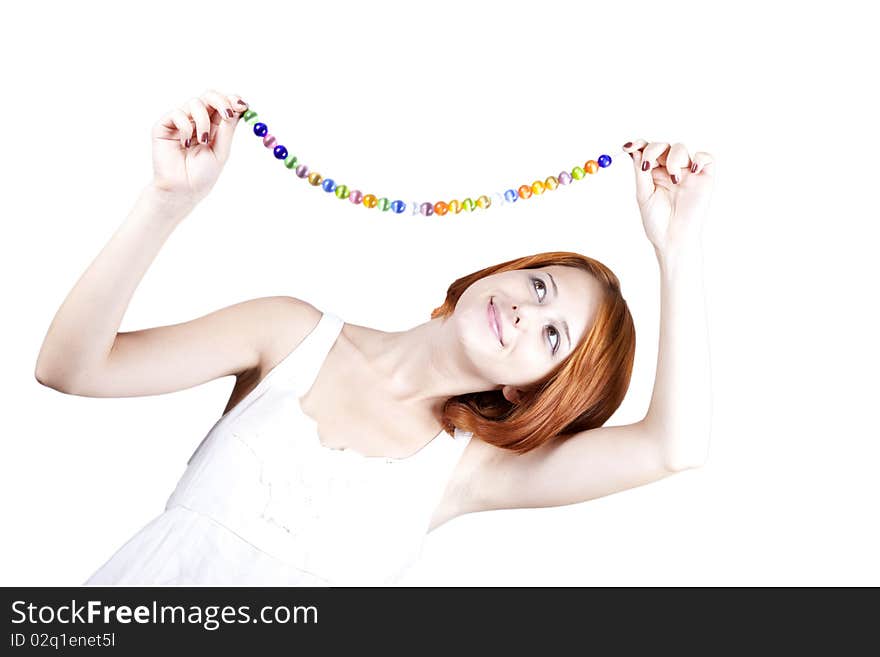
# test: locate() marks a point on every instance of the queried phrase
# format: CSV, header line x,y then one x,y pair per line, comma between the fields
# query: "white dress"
x,y
262,502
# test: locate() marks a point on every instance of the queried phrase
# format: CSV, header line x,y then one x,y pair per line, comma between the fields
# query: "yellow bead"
x,y
551,183
315,178
484,202
591,166
537,187
467,204
370,201
454,206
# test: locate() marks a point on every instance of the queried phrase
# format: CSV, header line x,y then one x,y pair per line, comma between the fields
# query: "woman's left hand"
x,y
673,190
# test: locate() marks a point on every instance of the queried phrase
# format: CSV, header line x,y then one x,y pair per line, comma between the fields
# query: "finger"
x,y
218,106
199,113
633,146
652,154
703,162
175,125
226,129
644,179
677,159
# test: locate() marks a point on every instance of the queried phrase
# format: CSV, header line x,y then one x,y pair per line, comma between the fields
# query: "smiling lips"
x,y
494,320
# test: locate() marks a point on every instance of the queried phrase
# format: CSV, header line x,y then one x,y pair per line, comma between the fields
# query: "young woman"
x,y
342,446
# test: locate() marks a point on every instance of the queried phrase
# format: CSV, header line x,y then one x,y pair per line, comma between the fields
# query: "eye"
x,y
550,327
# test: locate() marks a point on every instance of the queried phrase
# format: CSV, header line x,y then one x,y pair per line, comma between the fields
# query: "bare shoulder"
x,y
289,321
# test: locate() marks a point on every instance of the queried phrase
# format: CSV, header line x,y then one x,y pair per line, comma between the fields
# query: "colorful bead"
x,y
537,187
441,208
427,209
484,202
341,191
564,177
398,206
604,161
510,196
248,116
467,205
500,201
280,152
328,185
383,204
551,183
269,141
454,206
370,201
524,191
260,129
577,173
355,196
290,162
315,178
302,171
414,208
591,166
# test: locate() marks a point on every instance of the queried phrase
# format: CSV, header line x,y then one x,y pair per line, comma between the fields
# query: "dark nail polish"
x,y
204,137
229,113
187,143
241,102
646,165
675,179
632,156
694,167
628,144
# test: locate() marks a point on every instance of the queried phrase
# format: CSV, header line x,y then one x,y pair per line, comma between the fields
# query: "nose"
x,y
521,312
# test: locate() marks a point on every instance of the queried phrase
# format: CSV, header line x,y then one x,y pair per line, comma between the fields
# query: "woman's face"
x,y
518,325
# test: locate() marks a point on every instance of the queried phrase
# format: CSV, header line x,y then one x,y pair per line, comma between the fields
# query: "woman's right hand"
x,y
207,123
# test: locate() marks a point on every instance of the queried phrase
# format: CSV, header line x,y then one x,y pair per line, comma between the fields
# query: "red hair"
x,y
580,393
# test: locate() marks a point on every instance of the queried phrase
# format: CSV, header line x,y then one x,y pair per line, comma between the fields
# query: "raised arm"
x,y
674,434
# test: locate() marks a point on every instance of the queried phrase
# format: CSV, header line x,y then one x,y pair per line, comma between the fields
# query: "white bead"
x,y
499,199
414,209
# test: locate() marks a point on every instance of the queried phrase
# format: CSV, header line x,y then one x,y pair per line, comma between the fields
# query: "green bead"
x,y
249,116
467,204
341,191
577,173
290,162
383,204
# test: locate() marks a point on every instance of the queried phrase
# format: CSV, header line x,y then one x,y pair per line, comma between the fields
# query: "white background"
x,y
442,101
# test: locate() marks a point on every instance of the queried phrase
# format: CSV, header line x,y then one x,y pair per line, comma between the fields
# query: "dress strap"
x,y
309,355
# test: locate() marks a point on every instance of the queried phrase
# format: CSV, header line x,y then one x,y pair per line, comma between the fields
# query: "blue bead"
x,y
280,152
328,185
260,129
398,206
604,160
511,196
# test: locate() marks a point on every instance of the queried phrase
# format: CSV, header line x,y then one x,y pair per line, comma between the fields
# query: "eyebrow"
x,y
556,294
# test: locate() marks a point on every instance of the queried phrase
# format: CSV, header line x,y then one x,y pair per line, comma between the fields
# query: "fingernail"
x,y
628,144
241,102
632,156
694,167
675,179
229,113
187,143
646,165
204,137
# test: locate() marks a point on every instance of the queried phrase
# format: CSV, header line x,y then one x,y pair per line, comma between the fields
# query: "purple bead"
x,y
280,152
269,141
355,196
564,178
260,129
302,171
426,209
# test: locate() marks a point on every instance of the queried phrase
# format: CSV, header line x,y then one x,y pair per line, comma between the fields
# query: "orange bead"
x,y
454,206
551,183
315,178
370,201
441,208
484,202
524,191
537,187
591,166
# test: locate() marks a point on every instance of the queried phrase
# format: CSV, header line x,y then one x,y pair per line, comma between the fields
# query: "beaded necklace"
x,y
426,208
